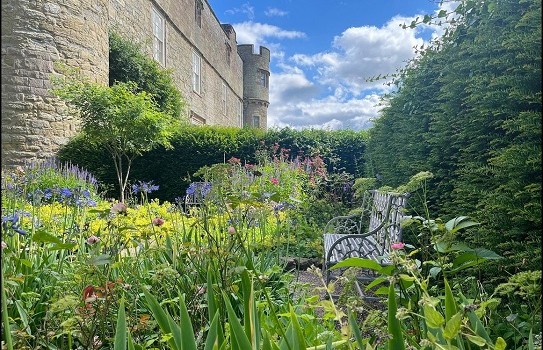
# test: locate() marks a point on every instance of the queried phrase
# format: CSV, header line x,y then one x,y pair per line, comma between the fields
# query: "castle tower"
x,y
256,85
36,34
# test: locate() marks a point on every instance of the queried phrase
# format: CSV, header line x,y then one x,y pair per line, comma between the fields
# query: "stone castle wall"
x,y
38,33
35,34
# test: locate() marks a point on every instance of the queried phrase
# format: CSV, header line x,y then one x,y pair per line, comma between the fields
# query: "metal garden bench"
x,y
195,194
368,234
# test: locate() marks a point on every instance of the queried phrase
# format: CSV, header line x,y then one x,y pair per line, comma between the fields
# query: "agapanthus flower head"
x,y
205,189
144,187
191,189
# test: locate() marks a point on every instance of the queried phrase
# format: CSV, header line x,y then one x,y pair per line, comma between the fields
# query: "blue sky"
x,y
323,52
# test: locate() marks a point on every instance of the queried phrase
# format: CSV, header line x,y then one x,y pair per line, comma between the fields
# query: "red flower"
x,y
274,181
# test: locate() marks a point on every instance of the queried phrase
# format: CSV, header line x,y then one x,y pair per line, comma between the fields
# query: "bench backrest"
x,y
195,193
387,212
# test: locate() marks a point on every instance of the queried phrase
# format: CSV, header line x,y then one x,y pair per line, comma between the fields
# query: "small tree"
x,y
127,123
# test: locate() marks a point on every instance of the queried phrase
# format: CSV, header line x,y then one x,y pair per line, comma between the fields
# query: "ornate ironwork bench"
x,y
195,194
368,234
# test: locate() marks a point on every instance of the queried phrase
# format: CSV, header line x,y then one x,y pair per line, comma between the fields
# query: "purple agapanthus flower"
x,y
11,222
191,189
144,187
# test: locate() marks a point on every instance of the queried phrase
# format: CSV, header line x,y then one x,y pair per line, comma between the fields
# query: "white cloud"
x,y
245,9
300,107
275,12
258,33
361,53
329,89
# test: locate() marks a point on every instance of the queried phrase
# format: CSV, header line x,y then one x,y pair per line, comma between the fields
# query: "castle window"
x,y
263,78
228,53
196,119
224,91
256,121
240,113
158,37
196,72
199,5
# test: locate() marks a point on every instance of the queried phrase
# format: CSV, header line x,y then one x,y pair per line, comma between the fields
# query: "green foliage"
x,y
197,146
127,63
469,110
124,122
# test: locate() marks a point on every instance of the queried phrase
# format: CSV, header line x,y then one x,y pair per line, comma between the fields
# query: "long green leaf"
x,y
237,331
298,334
355,329
394,326
212,339
120,330
212,303
358,262
450,302
161,317
187,332
24,315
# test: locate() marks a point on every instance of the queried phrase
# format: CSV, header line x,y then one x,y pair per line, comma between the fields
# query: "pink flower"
x,y
119,208
231,230
158,221
4,245
93,239
398,245
274,181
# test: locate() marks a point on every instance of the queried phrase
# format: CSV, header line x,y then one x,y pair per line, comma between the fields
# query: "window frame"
x,y
224,98
257,119
263,78
159,36
240,113
196,73
198,9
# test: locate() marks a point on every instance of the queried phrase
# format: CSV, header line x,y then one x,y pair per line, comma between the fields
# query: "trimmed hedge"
x,y
197,146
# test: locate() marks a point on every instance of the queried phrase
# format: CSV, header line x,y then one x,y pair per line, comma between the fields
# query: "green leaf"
x,y
459,223
358,262
376,282
161,317
120,330
298,334
212,339
452,327
355,329
442,14
24,316
237,332
475,339
433,318
41,236
450,302
61,246
500,344
394,326
98,260
187,332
